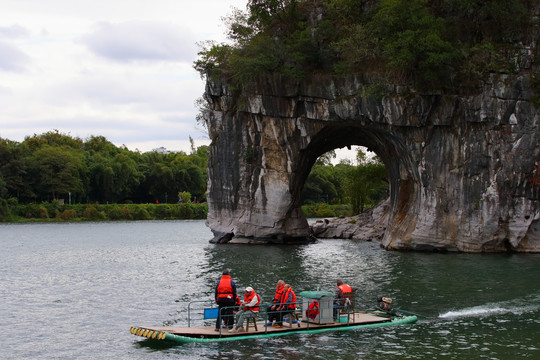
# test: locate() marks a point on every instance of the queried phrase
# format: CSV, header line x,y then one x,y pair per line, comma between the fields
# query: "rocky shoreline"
x,y
367,226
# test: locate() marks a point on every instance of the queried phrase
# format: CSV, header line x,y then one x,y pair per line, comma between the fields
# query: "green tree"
x,y
159,178
366,184
100,178
322,184
126,176
52,138
412,41
13,170
57,170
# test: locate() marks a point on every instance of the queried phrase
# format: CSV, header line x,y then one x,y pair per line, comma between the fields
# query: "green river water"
x,y
72,291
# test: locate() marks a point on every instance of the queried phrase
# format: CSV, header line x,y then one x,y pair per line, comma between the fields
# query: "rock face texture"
x,y
463,169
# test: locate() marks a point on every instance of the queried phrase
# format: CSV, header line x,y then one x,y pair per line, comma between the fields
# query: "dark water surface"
x,y
72,291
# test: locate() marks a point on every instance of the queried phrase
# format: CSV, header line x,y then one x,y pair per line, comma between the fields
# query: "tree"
x,y
263,13
52,138
13,170
57,170
100,178
321,184
126,176
412,40
366,184
51,165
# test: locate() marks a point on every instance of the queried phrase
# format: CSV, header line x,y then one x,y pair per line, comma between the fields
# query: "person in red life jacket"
x,y
225,295
313,310
288,304
272,309
344,296
249,309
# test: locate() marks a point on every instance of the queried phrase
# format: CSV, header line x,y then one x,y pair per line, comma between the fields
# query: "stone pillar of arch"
x,y
463,170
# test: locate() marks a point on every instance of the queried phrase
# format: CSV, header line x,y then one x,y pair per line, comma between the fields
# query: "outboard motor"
x,y
385,304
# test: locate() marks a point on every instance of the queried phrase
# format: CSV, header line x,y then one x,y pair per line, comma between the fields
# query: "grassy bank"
x,y
53,212
321,210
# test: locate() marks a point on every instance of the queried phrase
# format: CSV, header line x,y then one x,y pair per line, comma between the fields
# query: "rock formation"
x,y
463,169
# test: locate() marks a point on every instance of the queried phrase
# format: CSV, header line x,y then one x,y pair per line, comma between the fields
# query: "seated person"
x,y
249,310
272,312
288,304
385,304
313,310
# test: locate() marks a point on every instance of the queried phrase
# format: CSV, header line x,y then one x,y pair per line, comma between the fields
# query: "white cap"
x,y
249,289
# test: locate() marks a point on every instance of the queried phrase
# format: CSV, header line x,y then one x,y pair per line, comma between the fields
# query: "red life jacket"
x,y
247,300
313,310
346,290
278,295
224,289
285,296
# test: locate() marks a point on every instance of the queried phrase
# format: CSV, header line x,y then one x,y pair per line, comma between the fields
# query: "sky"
x,y
122,69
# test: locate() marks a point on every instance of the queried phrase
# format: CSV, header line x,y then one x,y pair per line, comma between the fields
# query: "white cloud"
x,y
141,40
13,32
12,59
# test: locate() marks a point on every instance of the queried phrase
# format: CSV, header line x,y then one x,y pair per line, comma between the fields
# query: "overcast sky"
x,y
122,69
117,68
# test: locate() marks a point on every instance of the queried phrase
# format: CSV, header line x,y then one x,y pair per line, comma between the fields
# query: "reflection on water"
x,y
74,290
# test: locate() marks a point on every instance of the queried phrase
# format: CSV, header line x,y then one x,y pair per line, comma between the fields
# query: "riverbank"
x,y
55,212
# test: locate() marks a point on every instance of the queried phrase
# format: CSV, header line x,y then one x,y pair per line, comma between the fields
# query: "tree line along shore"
x,y
57,177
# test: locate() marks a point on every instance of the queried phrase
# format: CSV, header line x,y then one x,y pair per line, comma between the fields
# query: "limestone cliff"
x,y
463,169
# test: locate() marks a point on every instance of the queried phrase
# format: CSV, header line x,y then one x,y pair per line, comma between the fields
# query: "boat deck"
x,y
160,332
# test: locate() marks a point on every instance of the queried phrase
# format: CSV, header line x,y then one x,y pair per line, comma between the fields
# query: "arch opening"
x,y
344,182
337,136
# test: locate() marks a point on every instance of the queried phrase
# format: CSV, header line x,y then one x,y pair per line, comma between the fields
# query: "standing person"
x,y
249,310
288,304
344,296
225,296
271,310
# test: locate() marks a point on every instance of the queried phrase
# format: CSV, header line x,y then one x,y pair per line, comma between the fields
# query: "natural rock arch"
x,y
463,169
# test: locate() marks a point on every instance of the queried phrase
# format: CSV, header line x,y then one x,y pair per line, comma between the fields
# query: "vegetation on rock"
x,y
429,45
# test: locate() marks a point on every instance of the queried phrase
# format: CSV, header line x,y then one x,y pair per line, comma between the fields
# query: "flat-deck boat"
x,y
296,322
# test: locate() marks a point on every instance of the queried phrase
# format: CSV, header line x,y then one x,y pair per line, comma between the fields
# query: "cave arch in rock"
x,y
348,134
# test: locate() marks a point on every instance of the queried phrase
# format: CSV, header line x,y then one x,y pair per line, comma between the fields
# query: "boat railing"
x,y
200,307
217,312
207,309
341,304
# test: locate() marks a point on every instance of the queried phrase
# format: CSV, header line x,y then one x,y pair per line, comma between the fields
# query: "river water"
x,y
72,291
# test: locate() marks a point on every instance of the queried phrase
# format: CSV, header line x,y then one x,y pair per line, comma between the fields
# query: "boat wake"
x,y
516,307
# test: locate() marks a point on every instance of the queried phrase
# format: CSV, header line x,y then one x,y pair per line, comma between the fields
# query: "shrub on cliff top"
x,y
418,42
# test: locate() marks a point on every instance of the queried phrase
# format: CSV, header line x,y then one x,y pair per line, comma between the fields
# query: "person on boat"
x,y
237,304
271,310
313,310
385,304
249,310
343,296
225,295
287,305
